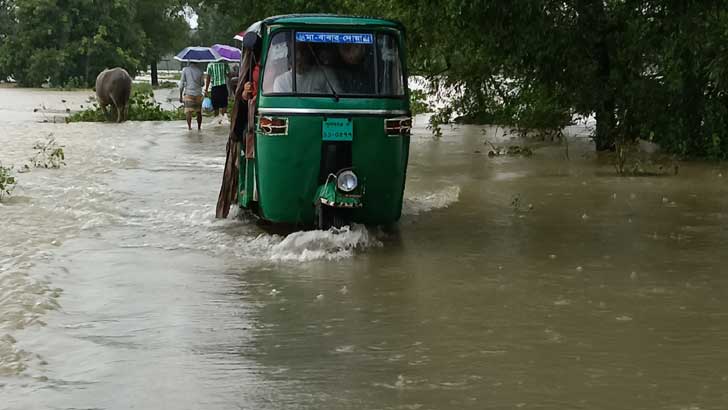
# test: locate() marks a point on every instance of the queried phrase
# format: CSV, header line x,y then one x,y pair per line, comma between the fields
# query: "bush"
x,y
7,181
418,102
527,108
48,154
142,107
71,84
141,88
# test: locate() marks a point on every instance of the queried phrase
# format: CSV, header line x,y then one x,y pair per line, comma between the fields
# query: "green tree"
x,y
7,29
219,20
73,39
655,70
165,29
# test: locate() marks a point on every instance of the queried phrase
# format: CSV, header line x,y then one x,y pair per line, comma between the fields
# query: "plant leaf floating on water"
x,y
48,154
511,151
7,181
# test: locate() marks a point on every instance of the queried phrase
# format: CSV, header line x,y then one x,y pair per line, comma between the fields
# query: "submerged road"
x,y
527,283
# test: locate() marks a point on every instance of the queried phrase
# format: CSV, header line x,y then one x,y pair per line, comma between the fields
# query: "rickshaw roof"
x,y
332,19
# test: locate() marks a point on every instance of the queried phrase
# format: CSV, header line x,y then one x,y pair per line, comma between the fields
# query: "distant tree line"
x,y
651,69
68,42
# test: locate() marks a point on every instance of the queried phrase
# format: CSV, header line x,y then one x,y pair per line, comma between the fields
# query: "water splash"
x,y
428,201
334,244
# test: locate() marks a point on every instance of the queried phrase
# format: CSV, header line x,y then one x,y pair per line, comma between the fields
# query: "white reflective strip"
x,y
329,111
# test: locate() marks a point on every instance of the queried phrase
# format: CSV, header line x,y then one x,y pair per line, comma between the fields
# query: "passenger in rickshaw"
x,y
312,75
355,74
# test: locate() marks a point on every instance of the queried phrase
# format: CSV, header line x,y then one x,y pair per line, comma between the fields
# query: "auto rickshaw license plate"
x,y
338,129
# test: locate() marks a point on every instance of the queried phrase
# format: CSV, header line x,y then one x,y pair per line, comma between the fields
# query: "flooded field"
x,y
527,283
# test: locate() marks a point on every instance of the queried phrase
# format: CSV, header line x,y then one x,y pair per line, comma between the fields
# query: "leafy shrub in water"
x,y
418,102
141,88
48,154
529,109
142,107
7,181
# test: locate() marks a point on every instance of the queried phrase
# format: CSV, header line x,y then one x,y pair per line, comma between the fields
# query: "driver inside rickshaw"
x,y
313,76
355,75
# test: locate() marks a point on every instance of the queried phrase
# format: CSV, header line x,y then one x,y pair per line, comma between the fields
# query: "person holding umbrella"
x,y
190,93
217,75
191,81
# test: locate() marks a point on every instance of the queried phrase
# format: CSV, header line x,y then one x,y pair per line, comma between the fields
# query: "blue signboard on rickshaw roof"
x,y
338,38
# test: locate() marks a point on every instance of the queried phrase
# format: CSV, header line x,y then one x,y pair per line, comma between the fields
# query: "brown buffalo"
x,y
113,86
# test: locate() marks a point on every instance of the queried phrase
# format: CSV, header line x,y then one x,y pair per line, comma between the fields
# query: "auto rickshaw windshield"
x,y
360,64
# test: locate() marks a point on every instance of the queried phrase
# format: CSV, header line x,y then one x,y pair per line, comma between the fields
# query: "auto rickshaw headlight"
x,y
347,181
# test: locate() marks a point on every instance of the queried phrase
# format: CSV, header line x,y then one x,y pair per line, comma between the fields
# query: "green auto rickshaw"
x,y
329,127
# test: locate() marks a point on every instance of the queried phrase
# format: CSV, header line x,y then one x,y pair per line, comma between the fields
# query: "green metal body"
x,y
283,179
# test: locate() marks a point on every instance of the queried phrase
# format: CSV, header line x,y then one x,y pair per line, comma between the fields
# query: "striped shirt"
x,y
218,73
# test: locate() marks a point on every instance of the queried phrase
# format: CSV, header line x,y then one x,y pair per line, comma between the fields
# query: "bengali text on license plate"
x,y
338,129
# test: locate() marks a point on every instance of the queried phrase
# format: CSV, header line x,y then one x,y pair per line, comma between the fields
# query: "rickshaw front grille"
x,y
335,156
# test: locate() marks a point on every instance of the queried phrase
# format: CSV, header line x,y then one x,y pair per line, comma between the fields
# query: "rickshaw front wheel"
x,y
330,217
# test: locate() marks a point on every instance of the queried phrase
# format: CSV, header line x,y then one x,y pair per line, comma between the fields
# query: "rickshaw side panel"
x,y
287,181
380,162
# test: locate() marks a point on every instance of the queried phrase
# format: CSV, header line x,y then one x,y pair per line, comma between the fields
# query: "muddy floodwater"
x,y
511,282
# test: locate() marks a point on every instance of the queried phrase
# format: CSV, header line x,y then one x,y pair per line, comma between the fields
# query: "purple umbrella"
x,y
228,53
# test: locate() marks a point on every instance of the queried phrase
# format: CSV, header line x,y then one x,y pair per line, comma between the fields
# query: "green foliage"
x,y
7,181
68,43
418,102
48,154
57,41
71,84
7,28
163,25
142,107
655,70
91,114
141,89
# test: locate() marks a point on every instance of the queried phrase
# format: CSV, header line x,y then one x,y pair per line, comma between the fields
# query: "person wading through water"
x,y
190,93
217,75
